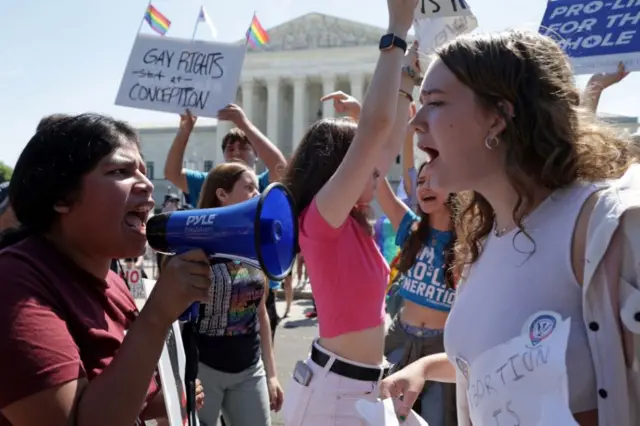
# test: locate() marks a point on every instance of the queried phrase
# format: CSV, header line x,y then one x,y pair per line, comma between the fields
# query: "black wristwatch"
x,y
389,41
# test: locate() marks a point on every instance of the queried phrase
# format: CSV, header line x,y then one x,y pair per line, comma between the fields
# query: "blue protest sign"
x,y
597,35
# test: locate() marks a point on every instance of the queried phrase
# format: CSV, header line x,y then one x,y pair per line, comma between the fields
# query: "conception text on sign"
x,y
596,34
171,75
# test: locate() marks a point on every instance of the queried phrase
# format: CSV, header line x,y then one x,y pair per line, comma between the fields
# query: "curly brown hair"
x,y
550,141
420,233
317,158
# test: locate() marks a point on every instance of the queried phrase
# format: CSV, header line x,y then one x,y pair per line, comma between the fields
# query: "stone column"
x,y
299,109
328,86
273,107
356,81
247,98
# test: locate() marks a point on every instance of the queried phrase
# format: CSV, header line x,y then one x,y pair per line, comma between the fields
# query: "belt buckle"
x,y
420,333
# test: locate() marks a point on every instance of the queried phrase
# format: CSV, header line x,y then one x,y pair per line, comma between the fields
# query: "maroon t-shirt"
x,y
58,322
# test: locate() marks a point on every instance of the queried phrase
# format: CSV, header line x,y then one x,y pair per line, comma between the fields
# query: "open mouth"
x,y
136,218
432,154
428,198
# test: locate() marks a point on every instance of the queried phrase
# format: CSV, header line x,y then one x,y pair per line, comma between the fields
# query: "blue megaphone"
x,y
261,232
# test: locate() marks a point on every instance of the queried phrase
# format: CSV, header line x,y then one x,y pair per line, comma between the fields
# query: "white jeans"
x,y
329,399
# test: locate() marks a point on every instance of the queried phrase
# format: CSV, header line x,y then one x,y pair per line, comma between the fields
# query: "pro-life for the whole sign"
x,y
596,34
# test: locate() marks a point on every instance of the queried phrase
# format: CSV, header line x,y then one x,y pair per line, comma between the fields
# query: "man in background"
x,y
243,143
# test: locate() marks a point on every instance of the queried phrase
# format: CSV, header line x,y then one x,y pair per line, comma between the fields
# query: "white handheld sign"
x,y
513,383
433,31
442,8
133,276
171,75
382,413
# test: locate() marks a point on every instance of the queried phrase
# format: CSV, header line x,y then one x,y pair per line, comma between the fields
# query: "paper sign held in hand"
x,y
436,30
441,8
172,75
382,413
523,379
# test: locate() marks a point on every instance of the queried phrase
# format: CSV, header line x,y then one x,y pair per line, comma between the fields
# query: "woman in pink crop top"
x,y
332,178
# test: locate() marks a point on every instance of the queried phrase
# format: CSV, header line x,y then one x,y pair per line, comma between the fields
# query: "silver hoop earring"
x,y
491,142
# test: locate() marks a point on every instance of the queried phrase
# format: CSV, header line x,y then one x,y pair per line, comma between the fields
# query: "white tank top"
x,y
508,284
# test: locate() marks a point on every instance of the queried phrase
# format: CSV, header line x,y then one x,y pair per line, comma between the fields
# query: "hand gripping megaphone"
x,y
261,232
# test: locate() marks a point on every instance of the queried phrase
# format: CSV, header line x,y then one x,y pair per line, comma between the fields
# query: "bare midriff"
x,y
423,317
364,346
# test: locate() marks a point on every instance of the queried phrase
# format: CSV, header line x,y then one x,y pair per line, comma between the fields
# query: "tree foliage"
x,y
5,172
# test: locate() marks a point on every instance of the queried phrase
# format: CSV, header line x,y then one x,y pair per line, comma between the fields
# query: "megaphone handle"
x,y
192,313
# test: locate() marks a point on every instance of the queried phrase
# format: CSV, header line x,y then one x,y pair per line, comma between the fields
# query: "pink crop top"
x,y
347,272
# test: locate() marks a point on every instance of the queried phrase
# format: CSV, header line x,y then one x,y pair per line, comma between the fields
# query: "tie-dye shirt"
x,y
228,326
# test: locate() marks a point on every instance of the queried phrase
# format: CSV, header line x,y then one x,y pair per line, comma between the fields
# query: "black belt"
x,y
345,369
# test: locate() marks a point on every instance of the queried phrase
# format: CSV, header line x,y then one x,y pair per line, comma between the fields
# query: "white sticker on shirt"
x,y
523,381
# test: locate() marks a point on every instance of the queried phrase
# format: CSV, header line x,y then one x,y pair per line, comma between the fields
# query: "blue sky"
x,y
69,55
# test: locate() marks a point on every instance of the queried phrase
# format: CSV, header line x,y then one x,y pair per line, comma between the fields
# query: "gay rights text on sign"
x,y
596,34
171,75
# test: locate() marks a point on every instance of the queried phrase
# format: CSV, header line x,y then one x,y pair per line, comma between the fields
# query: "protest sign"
x,y
432,33
517,381
133,277
171,75
171,369
441,8
383,413
595,34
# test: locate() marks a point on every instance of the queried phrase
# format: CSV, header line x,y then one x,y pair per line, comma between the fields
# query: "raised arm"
x,y
391,149
173,170
391,205
596,85
338,196
265,149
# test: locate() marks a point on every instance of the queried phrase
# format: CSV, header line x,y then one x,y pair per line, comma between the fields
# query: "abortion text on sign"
x,y
171,75
596,34
442,8
511,383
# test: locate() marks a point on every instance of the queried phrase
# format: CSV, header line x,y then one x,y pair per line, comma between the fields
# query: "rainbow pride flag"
x,y
156,20
256,35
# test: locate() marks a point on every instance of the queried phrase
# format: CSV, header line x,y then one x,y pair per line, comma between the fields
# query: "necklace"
x,y
499,232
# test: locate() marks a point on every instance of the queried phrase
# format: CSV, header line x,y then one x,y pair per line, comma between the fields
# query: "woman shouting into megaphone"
x,y
74,348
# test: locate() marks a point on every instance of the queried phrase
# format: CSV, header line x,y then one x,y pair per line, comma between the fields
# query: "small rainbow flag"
x,y
256,35
156,20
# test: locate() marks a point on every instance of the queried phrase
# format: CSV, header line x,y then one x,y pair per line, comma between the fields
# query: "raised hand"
x,y
343,103
401,14
233,113
411,65
187,120
604,80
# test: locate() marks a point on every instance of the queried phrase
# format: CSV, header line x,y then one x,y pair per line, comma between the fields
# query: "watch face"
x,y
386,41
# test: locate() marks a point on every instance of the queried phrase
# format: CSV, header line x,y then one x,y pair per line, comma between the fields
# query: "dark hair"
x,y
50,119
51,167
234,135
222,176
420,234
317,158
550,142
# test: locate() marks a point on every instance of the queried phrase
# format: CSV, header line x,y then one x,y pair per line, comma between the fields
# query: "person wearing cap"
x,y
7,217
